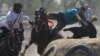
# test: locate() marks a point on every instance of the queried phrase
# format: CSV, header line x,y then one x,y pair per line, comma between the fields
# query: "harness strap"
x,y
17,19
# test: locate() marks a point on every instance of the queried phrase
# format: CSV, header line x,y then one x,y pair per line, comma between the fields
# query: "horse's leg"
x,y
42,45
41,48
76,36
24,48
91,30
16,53
92,36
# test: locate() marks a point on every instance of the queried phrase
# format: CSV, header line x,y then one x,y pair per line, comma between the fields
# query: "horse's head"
x,y
40,21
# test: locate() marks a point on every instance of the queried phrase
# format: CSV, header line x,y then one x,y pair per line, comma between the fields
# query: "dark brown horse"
x,y
40,34
10,46
85,31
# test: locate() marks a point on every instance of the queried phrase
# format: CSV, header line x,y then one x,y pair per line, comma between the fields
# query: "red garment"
x,y
50,24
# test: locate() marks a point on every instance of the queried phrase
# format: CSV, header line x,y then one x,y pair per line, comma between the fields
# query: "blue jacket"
x,y
70,16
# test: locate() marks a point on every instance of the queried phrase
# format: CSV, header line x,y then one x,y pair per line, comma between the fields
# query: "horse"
x,y
40,34
85,31
9,45
80,31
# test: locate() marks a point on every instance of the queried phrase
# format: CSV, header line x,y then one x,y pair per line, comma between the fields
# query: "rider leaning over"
x,y
75,15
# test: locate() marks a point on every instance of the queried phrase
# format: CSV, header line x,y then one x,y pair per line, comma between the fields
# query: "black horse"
x,y
40,34
10,46
85,31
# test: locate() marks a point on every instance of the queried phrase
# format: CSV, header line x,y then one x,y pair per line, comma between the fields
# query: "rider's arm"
x,y
78,17
21,23
80,20
9,19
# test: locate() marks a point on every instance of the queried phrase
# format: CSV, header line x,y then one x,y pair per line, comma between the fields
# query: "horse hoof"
x,y
21,54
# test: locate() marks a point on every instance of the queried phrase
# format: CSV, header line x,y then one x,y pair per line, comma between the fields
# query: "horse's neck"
x,y
43,27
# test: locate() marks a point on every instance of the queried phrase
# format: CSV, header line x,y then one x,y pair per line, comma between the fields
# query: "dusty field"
x,y
63,45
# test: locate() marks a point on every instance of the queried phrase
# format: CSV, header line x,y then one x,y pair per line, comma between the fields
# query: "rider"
x,y
89,14
42,10
75,15
13,20
70,18
43,15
